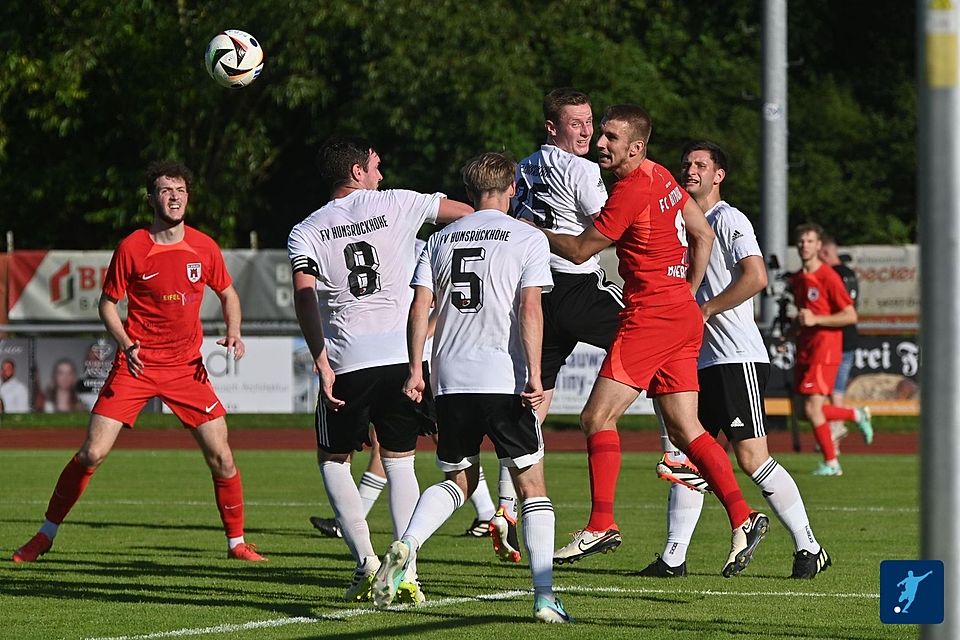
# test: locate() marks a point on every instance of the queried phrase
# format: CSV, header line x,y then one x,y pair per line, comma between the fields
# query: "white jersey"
x,y
731,336
560,191
476,268
361,250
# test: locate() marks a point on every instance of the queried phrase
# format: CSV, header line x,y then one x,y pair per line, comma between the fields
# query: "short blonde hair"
x,y
488,173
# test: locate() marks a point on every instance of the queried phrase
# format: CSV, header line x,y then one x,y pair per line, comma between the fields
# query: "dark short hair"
x,y
807,227
336,158
170,169
488,173
557,99
636,117
717,155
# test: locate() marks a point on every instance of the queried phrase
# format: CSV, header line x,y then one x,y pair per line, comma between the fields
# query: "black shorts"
x,y
582,307
375,396
731,399
464,418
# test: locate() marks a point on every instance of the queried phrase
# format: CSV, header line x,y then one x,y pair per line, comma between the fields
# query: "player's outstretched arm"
x,y
451,210
418,325
531,335
110,316
577,249
700,238
230,305
307,308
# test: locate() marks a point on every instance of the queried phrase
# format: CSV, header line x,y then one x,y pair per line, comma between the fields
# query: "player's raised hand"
x,y
134,363
235,344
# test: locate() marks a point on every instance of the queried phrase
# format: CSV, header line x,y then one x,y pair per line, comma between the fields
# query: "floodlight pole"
x,y
939,216
773,184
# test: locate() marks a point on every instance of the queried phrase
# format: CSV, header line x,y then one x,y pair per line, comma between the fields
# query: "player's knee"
x,y
91,457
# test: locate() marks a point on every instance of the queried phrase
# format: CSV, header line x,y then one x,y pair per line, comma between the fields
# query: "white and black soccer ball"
x,y
234,58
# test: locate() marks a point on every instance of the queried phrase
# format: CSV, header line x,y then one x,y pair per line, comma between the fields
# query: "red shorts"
x,y
656,349
186,389
813,379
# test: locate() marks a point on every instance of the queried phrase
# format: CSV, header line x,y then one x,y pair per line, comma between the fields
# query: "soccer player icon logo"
x,y
909,584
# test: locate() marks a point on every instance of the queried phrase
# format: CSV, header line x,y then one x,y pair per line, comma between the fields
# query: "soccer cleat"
x,y
391,573
825,469
684,473
807,565
550,611
744,543
328,527
410,592
35,547
587,543
503,529
864,424
245,551
660,569
363,575
479,528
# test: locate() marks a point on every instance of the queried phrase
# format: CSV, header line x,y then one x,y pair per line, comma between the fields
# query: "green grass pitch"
x,y
143,556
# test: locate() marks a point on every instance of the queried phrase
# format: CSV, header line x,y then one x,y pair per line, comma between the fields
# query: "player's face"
x,y
574,130
370,177
614,147
808,246
698,174
7,371
169,199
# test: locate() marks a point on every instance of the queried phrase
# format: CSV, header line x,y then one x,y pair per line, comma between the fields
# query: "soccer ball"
x,y
234,58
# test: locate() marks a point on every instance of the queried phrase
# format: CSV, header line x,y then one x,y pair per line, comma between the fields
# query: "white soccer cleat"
x,y
359,589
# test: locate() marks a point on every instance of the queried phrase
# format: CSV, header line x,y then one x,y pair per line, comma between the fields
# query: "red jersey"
x,y
643,216
164,286
823,293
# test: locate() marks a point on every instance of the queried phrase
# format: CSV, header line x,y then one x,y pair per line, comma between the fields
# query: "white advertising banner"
x,y
576,380
260,382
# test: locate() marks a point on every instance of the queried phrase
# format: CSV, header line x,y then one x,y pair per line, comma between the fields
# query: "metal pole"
x,y
773,186
939,216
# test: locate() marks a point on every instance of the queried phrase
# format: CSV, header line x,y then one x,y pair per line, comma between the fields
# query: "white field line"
x,y
347,614
637,506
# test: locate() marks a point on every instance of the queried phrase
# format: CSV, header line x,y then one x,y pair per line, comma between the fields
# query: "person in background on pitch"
x,y
352,260
664,243
162,271
733,370
823,308
560,190
829,253
485,275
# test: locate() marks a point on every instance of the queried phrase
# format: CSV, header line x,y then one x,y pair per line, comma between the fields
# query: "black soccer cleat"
x,y
660,569
807,565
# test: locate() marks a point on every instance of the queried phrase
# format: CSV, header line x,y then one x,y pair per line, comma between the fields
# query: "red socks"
x,y
73,481
603,456
825,440
832,412
714,465
229,495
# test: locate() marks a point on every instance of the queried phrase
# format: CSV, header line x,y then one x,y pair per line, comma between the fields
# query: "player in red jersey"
x,y
663,242
162,271
823,308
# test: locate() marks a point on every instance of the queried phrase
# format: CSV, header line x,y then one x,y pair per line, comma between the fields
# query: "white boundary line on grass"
x,y
347,614
285,504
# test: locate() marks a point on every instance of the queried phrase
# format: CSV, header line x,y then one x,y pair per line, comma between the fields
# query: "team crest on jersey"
x,y
813,294
193,272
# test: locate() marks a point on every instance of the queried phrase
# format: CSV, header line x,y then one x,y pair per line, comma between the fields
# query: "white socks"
x,y
436,505
538,537
371,485
508,494
683,512
481,500
49,529
781,492
347,507
403,491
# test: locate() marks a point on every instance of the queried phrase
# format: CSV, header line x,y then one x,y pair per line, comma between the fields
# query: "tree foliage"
x,y
91,92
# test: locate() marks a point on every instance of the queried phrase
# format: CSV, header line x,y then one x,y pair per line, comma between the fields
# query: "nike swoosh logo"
x,y
152,275
767,494
210,408
231,508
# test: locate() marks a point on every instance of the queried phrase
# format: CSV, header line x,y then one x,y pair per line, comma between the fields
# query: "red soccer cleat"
x,y
36,547
245,551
